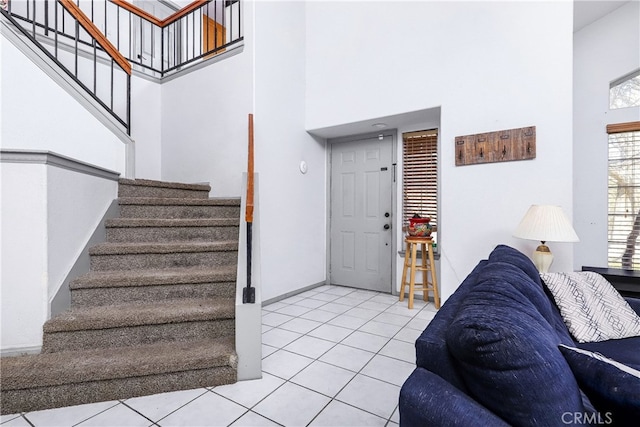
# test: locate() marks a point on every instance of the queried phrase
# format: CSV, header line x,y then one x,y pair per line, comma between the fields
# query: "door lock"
x,y
386,214
387,226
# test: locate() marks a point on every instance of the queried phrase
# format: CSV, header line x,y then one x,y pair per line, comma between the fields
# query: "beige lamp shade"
x,y
545,223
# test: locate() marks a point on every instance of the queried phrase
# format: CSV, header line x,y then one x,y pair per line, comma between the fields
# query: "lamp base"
x,y
542,258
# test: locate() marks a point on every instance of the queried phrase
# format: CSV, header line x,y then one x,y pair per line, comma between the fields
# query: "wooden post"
x,y
249,293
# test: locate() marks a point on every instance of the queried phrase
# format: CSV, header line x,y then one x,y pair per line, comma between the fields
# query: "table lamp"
x,y
545,223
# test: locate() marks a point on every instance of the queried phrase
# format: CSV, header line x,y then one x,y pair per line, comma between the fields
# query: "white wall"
x,y
146,127
48,214
38,114
23,269
603,52
490,66
292,204
204,121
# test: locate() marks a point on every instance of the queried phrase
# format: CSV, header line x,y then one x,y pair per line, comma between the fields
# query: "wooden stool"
x,y
410,258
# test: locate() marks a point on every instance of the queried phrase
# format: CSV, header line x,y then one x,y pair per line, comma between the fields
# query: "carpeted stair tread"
x,y
159,222
67,367
165,201
164,184
164,276
141,313
162,248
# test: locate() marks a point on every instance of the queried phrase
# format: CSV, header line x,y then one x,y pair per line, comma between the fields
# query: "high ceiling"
x,y
587,11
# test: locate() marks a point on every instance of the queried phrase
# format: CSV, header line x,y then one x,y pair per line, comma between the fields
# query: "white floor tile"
x,y
292,300
408,335
118,415
248,393
372,305
311,302
70,415
267,350
310,346
17,421
330,332
209,409
387,369
402,309
393,319
400,350
371,395
285,364
339,290
299,325
266,328
346,321
379,328
362,313
307,294
351,302
8,417
347,357
251,419
385,299
365,341
292,405
417,323
325,297
319,315
396,415
158,406
335,307
293,310
273,306
323,378
340,414
279,337
275,319
426,313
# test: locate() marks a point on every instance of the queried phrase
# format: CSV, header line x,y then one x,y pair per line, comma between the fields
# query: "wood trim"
x,y
184,11
96,34
623,127
160,22
137,11
249,213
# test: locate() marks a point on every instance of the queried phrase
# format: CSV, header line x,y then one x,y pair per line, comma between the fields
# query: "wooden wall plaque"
x,y
500,146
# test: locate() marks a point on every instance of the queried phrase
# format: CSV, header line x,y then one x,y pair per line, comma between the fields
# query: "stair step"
x,y
139,324
167,230
156,207
52,380
116,287
151,188
130,256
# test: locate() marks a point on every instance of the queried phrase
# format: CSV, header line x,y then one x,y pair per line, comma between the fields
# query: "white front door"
x,y
361,201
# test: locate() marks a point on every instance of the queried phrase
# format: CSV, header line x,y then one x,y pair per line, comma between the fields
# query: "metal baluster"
x,y
55,34
34,19
162,51
193,34
95,67
111,103
46,17
76,48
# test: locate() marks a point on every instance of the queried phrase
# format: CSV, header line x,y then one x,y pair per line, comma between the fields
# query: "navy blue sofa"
x,y
490,356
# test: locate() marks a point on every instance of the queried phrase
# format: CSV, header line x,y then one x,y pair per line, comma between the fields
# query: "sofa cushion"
x,y
591,307
612,387
504,253
508,355
626,350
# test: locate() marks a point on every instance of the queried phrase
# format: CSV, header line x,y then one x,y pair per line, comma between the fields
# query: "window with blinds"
x,y
624,196
420,175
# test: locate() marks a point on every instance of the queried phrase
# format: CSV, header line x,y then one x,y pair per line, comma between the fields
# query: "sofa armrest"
x,y
634,303
428,400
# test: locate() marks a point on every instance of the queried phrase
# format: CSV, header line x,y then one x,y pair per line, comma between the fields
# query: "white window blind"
x,y
624,196
420,175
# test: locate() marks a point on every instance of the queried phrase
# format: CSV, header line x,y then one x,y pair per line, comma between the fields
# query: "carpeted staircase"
x,y
154,314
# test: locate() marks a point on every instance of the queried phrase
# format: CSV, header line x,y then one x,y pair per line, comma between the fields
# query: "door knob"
x,y
387,226
386,214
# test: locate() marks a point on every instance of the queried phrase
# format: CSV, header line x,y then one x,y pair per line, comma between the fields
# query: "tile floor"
x,y
331,356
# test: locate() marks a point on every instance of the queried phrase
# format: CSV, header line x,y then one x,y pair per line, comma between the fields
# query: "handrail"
x,y
85,56
160,22
91,28
249,293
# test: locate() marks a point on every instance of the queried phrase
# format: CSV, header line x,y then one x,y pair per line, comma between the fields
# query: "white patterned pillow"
x,y
591,307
